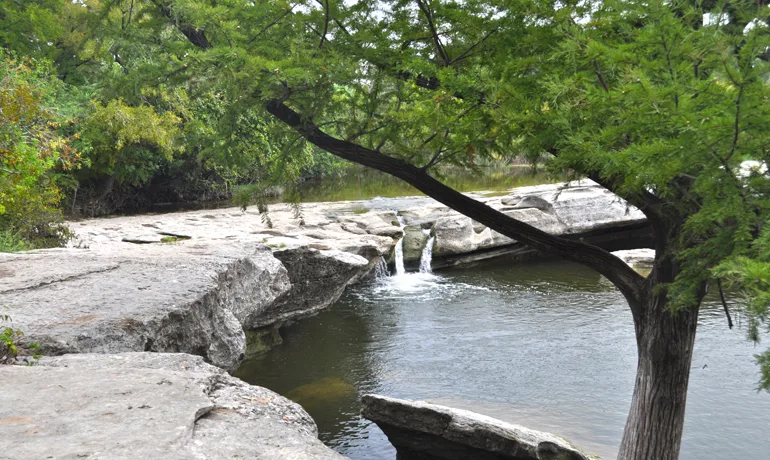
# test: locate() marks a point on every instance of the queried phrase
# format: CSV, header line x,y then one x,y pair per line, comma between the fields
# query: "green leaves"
x,y
131,143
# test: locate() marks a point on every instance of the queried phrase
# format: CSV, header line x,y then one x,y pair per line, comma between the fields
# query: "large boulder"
x,y
191,297
423,431
454,235
147,405
415,239
318,279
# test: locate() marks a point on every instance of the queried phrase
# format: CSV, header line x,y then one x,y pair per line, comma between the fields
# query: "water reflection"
x,y
546,345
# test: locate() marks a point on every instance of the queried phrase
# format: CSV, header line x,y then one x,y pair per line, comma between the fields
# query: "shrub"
x,y
32,153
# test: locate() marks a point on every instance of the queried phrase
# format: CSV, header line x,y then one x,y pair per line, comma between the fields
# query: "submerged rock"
x,y
147,405
323,392
423,431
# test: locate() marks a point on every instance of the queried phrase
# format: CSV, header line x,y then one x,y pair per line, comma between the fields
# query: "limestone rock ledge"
x,y
197,297
147,405
423,431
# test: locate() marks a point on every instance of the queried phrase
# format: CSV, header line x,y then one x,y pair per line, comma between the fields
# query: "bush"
x,y
32,153
10,346
11,242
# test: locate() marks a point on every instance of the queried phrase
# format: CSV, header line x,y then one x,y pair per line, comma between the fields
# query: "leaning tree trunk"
x,y
665,344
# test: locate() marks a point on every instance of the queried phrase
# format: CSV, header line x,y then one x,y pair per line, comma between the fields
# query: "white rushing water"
x,y
381,269
427,254
399,253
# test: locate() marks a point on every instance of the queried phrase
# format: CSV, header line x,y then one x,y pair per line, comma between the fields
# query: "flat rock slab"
x,y
637,258
194,297
424,431
146,406
326,225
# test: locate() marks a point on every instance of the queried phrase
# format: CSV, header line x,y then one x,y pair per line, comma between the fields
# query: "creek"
x,y
548,345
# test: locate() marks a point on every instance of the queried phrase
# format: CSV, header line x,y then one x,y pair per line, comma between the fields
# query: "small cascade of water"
x,y
427,254
381,269
399,252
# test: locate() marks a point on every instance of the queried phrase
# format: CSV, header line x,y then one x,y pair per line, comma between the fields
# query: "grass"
x,y
12,242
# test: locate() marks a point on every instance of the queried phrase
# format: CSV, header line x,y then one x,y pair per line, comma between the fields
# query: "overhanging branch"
x,y
630,283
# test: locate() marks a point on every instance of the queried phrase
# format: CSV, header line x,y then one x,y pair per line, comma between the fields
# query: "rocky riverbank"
x,y
147,405
219,283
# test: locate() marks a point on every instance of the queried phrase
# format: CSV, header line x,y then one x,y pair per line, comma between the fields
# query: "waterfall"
x,y
399,253
427,254
381,269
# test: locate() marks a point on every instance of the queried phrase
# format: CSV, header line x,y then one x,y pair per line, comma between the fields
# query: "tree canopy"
x,y
661,102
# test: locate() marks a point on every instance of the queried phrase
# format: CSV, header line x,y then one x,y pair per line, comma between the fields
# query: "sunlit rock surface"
x,y
195,296
147,406
195,281
423,431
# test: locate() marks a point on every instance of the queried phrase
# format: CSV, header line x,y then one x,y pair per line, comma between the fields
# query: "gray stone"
x,y
414,242
318,279
424,217
580,208
191,297
637,258
423,431
454,235
147,405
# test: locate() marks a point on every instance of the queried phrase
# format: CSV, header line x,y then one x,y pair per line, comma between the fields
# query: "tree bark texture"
x,y
664,345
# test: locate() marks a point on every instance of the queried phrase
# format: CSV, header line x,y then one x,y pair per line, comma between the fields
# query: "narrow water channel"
x,y
548,345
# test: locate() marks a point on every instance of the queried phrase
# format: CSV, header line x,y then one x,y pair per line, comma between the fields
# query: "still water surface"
x,y
547,345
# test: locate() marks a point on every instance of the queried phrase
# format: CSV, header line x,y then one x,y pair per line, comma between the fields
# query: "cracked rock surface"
x,y
424,431
193,298
147,406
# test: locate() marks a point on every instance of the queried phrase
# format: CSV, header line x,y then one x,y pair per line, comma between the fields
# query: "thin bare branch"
x,y
724,304
464,54
434,33
267,27
326,24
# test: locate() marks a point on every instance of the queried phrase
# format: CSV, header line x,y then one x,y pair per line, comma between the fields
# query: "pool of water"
x,y
548,345
360,183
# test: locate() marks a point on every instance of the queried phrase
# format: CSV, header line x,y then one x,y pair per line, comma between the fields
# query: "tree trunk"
x,y
665,344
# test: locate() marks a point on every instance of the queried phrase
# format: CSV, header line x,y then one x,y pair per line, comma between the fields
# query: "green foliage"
x,y
130,143
750,273
10,346
11,242
33,150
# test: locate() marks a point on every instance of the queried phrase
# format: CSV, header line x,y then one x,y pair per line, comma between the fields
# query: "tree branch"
x,y
438,153
326,24
434,33
267,27
196,36
724,304
630,283
472,47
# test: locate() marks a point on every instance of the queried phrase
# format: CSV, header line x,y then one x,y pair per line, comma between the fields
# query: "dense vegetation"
x,y
85,134
658,101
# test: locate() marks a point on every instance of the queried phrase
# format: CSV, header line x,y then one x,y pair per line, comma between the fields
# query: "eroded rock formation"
x,y
423,431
